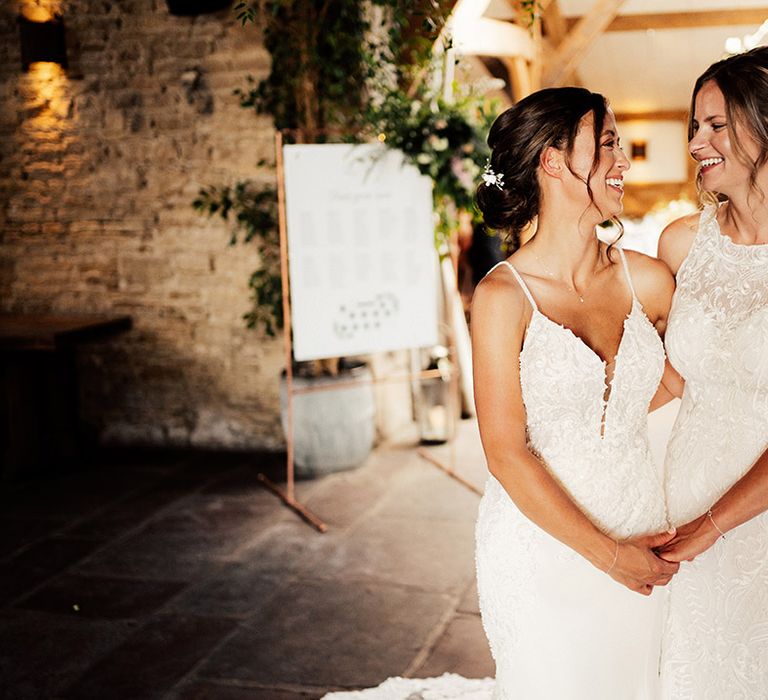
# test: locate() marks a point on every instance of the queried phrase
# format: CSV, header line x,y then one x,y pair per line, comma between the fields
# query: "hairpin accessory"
x,y
492,178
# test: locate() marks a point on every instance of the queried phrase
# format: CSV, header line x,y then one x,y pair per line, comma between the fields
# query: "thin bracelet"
x,y
712,520
615,558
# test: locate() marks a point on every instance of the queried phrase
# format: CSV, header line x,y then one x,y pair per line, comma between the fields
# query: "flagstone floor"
x,y
181,577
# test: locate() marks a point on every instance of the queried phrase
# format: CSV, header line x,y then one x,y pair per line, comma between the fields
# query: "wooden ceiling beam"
x,y
481,36
556,29
520,79
576,43
683,20
677,115
555,26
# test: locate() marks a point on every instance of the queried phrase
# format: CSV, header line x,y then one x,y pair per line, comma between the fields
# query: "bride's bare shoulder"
x,y
676,239
498,297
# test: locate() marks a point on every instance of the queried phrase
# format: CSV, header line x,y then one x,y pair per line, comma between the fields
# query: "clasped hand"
x,y
689,541
639,567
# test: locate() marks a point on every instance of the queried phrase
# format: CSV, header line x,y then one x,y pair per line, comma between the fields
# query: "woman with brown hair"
x,y
716,637
567,358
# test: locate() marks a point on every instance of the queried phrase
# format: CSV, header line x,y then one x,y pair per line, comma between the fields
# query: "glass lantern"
x,y
434,407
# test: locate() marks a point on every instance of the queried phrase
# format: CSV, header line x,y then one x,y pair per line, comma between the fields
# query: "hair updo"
x,y
549,117
743,80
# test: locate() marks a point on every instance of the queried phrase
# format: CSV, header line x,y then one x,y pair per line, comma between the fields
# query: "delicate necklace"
x,y
551,274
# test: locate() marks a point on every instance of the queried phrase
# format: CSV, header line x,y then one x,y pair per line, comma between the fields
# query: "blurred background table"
x,y
40,430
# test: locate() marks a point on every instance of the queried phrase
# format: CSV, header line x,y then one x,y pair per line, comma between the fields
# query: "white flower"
x,y
492,178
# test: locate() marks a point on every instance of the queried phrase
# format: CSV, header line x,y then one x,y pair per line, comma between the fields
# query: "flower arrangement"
x,y
444,139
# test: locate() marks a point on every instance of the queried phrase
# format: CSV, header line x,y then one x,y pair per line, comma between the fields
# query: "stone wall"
x,y
100,165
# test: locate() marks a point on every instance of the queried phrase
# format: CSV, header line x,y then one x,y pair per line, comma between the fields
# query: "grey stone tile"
x,y
429,555
20,580
291,548
465,455
185,542
234,590
214,514
101,598
42,654
430,494
343,498
469,601
329,634
243,480
17,533
461,649
206,690
39,562
54,553
152,660
128,513
160,556
86,492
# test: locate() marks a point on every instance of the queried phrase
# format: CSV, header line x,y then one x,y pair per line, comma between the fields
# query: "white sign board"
x,y
363,265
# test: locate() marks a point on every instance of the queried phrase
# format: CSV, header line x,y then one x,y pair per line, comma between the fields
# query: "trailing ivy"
x,y
252,213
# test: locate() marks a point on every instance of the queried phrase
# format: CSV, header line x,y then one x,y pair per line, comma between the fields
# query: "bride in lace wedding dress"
x,y
716,635
567,359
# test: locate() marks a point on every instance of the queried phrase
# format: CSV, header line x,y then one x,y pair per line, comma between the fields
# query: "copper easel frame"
x,y
288,496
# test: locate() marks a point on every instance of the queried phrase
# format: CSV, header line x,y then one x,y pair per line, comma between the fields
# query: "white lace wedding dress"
x,y
716,636
560,629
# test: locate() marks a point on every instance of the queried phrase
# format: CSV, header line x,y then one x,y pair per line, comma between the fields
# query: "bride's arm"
x,y
654,285
746,499
499,312
670,387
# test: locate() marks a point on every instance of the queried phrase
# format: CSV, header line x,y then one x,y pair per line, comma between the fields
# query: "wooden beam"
x,y
536,64
676,115
575,45
556,30
555,26
519,71
481,36
684,20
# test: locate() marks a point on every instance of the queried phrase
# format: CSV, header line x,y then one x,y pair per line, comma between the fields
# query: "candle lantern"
x,y
434,408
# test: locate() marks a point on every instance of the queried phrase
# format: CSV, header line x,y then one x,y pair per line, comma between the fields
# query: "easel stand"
x,y
288,495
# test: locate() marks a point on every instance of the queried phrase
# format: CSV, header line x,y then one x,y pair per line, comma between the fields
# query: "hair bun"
x,y
549,117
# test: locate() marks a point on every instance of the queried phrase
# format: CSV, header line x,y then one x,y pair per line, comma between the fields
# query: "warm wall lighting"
x,y
638,149
42,41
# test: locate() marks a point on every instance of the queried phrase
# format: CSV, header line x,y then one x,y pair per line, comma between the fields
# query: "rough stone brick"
x,y
100,166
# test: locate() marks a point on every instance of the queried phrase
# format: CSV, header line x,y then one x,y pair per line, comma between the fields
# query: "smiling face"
x,y
604,174
722,167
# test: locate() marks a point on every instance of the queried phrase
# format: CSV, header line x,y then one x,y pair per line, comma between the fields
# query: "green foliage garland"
x,y
332,69
444,140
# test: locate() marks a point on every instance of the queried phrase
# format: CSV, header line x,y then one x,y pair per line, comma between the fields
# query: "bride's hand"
x,y
691,539
639,568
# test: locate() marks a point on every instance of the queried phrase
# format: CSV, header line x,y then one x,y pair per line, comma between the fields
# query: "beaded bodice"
x,y
592,434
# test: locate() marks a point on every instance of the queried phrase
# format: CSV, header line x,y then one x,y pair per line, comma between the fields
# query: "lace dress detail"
x,y
716,635
558,627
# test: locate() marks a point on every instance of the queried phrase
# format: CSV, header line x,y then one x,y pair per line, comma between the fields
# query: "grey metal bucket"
x,y
334,428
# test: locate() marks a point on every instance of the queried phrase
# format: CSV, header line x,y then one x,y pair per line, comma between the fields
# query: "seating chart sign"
x,y
362,260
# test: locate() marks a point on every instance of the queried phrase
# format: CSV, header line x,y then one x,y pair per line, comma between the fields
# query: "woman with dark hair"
x,y
567,359
716,637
